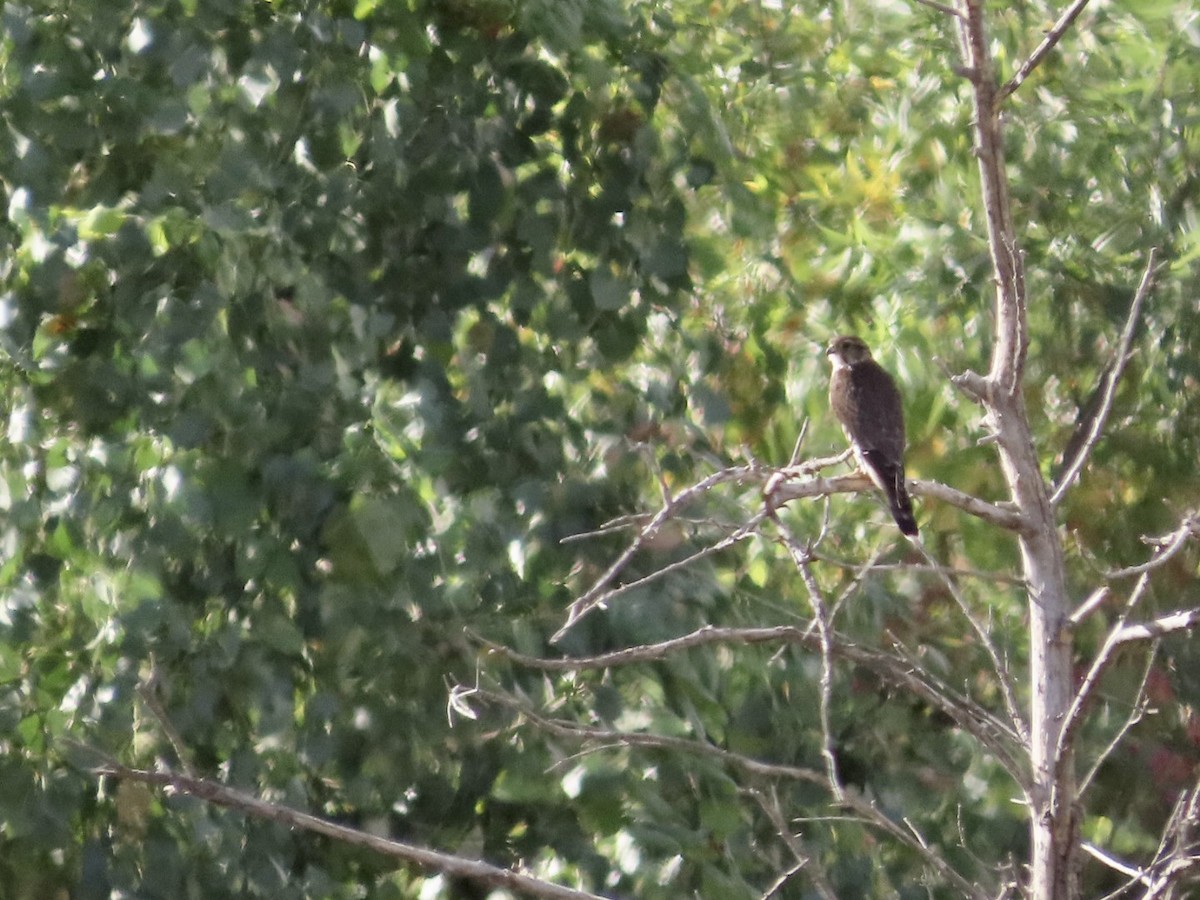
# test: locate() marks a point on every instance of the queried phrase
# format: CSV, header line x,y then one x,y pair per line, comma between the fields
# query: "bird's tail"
x,y
901,504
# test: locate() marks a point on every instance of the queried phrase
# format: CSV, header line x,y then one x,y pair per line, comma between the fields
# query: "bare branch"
x,y
1104,658
941,7
1094,601
1178,855
1003,516
869,568
1115,864
778,492
1140,705
1003,677
460,867
614,738
851,799
796,470
598,594
1181,620
579,608
612,526
852,587
774,811
148,694
990,730
1053,36
908,835
972,384
1116,368
1167,546
775,886
802,558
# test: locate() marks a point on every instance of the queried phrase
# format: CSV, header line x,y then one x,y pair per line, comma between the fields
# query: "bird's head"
x,y
846,350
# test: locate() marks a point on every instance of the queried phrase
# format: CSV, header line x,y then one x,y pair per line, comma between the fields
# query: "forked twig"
x,y
1053,36
774,811
599,592
1168,545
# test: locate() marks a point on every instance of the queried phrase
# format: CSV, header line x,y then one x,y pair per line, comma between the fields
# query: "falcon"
x,y
865,400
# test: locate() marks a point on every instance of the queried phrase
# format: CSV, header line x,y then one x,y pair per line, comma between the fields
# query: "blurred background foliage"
x,y
324,323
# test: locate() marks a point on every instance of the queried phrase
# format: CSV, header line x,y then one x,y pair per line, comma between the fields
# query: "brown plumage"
x,y
865,400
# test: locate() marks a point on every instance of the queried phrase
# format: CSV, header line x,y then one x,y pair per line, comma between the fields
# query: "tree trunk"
x,y
1052,794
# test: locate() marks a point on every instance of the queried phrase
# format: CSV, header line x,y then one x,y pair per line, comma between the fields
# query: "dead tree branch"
x,y
1095,427
941,7
1178,856
1166,547
803,859
802,558
1003,516
851,799
598,594
1003,676
1073,718
779,490
1049,42
996,735
460,867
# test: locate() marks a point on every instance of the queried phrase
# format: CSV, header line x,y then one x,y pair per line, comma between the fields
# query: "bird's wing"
x,y
865,400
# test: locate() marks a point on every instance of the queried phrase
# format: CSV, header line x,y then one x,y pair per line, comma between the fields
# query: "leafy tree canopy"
x,y
325,324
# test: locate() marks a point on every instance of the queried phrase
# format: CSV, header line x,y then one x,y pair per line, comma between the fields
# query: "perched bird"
x,y
865,400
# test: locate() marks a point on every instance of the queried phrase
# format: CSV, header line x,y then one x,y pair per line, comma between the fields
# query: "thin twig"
x,y
898,670
796,448
597,594
1116,368
851,799
802,559
1178,852
869,568
1140,704
1094,601
1003,677
941,7
856,582
219,794
612,526
1053,36
1115,864
578,609
146,691
783,878
1112,642
1168,545
773,809
615,738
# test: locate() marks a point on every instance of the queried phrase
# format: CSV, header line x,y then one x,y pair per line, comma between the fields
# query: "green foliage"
x,y
324,323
